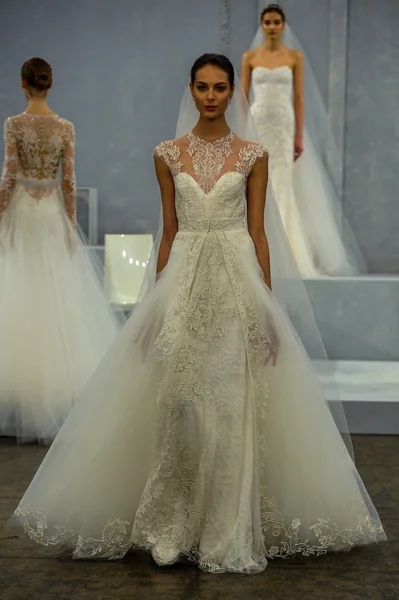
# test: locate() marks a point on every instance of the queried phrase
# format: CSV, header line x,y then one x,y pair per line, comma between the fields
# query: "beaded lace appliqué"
x,y
208,158
35,146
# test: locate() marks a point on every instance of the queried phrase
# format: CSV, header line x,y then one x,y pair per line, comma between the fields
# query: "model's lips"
x,y
211,108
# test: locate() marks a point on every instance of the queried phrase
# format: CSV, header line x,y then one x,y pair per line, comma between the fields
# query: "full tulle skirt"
x,y
55,322
189,442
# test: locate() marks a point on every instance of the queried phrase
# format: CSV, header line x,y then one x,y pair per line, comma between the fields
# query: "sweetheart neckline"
x,y
215,184
272,70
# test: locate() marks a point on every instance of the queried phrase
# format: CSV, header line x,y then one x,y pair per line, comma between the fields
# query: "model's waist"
x,y
267,100
37,183
212,224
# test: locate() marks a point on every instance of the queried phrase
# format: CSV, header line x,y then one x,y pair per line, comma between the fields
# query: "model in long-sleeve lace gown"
x,y
55,322
206,450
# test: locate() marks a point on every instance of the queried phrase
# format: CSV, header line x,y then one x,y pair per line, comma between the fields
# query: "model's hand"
x,y
73,240
298,147
274,345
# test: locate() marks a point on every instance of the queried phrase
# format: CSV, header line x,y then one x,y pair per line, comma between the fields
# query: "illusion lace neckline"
x,y
208,158
38,115
222,140
273,69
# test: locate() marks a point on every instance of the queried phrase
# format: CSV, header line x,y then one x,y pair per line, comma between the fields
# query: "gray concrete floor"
x,y
370,573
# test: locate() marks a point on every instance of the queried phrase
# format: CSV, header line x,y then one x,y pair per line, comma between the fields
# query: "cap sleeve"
x,y
169,152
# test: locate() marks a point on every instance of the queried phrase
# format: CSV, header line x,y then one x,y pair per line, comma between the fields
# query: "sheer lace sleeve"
x,y
169,152
68,175
9,176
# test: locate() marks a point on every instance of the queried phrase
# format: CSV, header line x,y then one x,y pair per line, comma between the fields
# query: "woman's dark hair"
x,y
272,8
217,60
38,74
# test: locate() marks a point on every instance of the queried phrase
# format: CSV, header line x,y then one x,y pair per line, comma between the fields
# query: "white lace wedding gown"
x,y
55,322
312,229
187,442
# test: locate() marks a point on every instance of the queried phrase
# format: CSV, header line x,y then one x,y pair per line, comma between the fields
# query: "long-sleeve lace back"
x,y
35,146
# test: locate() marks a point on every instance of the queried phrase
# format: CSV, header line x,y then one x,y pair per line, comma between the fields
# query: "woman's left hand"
x,y
72,240
298,147
274,345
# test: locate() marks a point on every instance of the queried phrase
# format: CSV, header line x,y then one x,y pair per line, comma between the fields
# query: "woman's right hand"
x,y
274,345
72,240
298,147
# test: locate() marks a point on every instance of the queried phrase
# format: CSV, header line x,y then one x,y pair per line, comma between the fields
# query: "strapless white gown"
x,y
303,199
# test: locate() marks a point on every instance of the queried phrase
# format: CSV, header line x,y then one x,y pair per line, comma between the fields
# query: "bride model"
x,y
321,241
55,322
218,445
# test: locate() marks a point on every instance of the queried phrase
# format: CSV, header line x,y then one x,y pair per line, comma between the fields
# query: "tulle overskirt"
x,y
189,438
55,321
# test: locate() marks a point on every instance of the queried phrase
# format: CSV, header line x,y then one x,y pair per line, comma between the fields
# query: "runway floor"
x,y
364,574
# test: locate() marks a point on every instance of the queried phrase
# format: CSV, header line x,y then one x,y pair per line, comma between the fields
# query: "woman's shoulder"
x,y
249,147
24,117
250,55
169,152
65,123
295,55
249,154
10,122
171,148
10,128
13,120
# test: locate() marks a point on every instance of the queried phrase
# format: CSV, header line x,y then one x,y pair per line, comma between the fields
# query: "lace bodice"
x,y
35,146
210,177
272,87
273,113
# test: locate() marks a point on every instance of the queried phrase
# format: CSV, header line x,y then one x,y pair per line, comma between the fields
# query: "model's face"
x,y
273,25
211,91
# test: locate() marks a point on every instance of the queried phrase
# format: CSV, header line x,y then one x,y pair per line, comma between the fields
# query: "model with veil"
x,y
55,322
218,446
293,125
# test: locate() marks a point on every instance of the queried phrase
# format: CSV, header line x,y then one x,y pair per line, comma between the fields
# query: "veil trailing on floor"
x,y
317,180
287,284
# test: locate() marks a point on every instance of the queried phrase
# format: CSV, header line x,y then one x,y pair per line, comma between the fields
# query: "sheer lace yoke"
x,y
40,141
35,147
207,162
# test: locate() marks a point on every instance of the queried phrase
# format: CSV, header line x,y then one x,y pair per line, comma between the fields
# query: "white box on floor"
x,y
126,259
